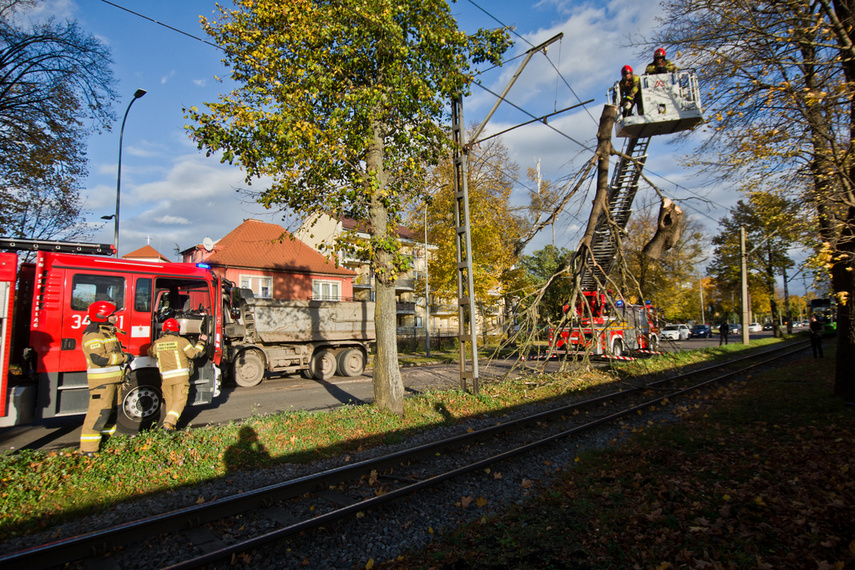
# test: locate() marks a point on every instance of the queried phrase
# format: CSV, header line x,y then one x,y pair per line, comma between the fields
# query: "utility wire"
x,y
167,26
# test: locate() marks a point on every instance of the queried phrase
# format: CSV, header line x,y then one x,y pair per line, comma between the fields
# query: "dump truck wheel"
x,y
351,362
323,365
141,404
249,369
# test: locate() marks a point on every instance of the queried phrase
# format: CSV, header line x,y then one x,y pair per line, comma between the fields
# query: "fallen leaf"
x,y
480,501
526,483
465,501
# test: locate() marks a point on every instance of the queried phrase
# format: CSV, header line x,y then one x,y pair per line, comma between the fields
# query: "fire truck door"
x,y
8,266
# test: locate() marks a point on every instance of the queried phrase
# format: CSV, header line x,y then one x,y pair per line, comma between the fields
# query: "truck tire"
x,y
323,365
351,362
249,369
617,347
141,403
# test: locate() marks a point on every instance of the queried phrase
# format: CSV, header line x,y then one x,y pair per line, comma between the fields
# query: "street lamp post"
x,y
139,93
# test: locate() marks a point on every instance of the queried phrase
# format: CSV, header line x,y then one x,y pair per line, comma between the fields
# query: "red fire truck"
x,y
45,311
42,328
612,328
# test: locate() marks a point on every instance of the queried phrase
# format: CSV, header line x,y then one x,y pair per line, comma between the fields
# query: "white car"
x,y
675,332
755,327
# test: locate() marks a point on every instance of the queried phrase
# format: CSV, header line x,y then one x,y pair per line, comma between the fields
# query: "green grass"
x,y
41,489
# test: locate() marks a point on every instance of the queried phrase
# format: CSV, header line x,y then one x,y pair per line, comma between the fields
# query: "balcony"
x,y
405,308
443,309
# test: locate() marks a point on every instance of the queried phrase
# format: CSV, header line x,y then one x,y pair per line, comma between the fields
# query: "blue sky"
x,y
174,196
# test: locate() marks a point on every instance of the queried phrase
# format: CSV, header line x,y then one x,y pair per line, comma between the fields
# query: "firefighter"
x,y
660,64
174,354
630,91
104,360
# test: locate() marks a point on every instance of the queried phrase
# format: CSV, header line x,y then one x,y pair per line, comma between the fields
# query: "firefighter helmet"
x,y
100,311
626,70
660,52
171,325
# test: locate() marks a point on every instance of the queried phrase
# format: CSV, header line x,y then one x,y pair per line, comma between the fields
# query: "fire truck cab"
x,y
602,326
51,298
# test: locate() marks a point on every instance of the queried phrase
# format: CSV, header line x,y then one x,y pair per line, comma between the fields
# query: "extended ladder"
x,y
622,190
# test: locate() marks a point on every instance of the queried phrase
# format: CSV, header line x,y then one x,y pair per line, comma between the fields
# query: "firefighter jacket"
x,y
104,356
666,67
174,353
630,88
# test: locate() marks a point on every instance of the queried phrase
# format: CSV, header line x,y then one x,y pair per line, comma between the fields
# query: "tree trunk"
x,y
667,230
600,204
388,384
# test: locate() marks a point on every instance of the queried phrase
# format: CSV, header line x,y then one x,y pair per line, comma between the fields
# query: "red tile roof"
x,y
256,244
146,252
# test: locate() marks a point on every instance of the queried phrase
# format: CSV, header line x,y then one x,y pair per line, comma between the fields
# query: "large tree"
x,y
342,103
55,88
779,87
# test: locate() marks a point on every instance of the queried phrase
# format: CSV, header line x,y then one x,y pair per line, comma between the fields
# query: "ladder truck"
x,y
602,323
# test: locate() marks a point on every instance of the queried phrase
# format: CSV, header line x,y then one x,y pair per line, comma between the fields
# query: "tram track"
x,y
204,534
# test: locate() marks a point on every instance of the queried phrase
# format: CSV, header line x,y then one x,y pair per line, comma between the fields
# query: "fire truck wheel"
x,y
249,369
141,406
654,342
617,347
351,362
323,365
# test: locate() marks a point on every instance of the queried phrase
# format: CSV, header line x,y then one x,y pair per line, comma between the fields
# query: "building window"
x,y
326,290
261,287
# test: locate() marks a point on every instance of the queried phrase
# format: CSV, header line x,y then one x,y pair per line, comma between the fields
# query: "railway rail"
x,y
257,523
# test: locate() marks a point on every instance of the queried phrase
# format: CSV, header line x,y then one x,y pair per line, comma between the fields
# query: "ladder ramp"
x,y
622,189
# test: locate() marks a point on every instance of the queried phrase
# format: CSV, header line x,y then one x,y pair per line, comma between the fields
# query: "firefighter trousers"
x,y
100,418
174,400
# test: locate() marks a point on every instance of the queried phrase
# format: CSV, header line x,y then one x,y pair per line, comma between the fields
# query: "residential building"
x,y
271,262
322,231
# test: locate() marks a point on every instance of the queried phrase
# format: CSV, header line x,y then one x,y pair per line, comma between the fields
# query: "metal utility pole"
x,y
139,93
427,291
466,324
787,303
744,273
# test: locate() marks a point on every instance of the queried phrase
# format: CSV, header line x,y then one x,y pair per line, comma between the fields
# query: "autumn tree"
x,y
55,88
778,79
341,104
495,227
541,267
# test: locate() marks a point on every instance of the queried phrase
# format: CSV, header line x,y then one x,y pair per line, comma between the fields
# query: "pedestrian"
x,y
630,91
660,64
104,361
174,354
723,331
816,336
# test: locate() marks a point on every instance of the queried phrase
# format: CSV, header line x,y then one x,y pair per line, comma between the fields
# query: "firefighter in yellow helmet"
x,y
104,360
174,353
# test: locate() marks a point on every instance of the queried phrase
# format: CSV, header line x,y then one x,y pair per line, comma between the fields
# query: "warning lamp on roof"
x,y
618,303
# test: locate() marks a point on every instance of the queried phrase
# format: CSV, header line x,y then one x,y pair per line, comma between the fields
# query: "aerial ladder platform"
x,y
671,103
622,190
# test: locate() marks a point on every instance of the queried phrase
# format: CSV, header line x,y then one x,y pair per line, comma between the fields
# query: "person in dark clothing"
x,y
723,331
816,336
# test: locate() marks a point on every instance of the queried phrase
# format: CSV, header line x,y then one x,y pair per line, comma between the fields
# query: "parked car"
x,y
700,331
755,327
735,328
675,332
768,326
